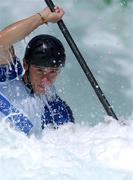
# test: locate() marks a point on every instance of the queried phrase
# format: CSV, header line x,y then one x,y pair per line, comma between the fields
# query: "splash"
x,y
71,152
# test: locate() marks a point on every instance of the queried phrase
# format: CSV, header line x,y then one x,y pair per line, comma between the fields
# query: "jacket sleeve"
x,y
57,112
10,71
70,113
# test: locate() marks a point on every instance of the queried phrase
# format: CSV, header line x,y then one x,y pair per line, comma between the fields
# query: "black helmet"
x,y
45,50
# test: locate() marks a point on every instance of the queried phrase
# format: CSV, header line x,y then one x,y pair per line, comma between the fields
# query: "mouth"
x,y
40,88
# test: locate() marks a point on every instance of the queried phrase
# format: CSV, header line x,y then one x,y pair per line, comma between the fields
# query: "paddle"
x,y
83,64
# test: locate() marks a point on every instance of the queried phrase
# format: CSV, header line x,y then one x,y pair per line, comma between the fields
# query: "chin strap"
x,y
28,82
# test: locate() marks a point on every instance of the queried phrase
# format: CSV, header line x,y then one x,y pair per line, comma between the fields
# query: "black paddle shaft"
x,y
83,64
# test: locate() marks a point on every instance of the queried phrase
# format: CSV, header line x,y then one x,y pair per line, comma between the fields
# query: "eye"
x,y
39,70
53,71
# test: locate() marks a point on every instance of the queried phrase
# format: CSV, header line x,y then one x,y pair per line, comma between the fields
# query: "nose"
x,y
49,76
45,80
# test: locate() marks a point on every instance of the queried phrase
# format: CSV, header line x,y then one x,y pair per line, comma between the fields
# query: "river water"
x,y
97,147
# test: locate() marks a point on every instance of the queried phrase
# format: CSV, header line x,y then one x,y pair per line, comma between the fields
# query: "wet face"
x,y
42,76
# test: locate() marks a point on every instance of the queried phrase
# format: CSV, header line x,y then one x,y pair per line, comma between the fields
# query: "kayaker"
x,y
31,94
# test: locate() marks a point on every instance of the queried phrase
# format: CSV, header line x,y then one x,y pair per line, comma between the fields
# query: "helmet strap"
x,y
28,82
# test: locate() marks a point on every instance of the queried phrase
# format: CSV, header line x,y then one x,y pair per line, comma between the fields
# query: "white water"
x,y
73,152
80,152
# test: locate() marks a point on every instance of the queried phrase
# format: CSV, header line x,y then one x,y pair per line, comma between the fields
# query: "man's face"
x,y
42,76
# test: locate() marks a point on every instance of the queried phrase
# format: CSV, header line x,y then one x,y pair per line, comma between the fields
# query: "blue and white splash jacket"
x,y
25,111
